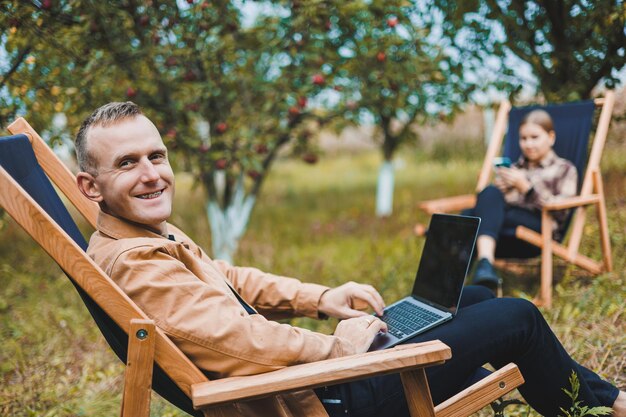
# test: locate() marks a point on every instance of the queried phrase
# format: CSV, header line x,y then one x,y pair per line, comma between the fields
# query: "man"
x,y
221,315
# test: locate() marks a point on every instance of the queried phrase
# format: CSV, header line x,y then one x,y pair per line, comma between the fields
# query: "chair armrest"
x,y
448,204
317,374
483,392
577,201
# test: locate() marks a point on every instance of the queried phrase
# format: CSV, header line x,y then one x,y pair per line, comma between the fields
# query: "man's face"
x,y
133,178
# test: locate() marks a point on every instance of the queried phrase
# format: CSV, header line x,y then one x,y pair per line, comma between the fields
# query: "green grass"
x,y
312,222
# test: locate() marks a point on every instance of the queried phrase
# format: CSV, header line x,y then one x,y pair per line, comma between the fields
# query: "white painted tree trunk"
x,y
384,190
489,117
229,224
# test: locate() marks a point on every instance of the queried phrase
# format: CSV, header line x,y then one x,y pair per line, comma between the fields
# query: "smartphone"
x,y
502,162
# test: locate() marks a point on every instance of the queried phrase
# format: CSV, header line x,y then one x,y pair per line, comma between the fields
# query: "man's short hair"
x,y
103,116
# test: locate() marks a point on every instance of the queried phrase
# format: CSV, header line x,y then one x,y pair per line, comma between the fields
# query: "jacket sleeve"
x,y
207,322
274,296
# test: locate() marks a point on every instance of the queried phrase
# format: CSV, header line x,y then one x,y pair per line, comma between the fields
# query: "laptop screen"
x,y
445,260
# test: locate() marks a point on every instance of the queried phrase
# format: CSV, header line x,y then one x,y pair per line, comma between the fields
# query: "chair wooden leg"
x,y
483,392
561,251
140,362
417,393
603,222
545,297
576,235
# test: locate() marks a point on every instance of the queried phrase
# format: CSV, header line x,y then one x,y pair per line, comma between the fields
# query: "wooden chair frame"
x,y
591,194
148,343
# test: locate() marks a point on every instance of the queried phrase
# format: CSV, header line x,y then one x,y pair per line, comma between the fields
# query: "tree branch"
x,y
16,64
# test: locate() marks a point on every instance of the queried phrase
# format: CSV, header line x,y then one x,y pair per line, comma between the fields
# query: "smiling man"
x,y
222,316
131,177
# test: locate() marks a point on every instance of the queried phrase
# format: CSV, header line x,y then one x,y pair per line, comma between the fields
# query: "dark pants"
x,y
485,330
499,220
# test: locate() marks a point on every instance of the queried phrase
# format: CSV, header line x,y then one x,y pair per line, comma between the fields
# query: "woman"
x,y
517,195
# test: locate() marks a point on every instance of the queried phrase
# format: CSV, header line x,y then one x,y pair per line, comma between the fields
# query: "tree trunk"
x,y
384,190
230,222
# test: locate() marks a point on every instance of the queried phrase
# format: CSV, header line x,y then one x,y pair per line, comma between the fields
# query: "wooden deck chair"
x,y
572,135
29,198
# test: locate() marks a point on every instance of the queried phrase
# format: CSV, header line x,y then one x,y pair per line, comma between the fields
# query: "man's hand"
x,y
512,178
345,301
360,331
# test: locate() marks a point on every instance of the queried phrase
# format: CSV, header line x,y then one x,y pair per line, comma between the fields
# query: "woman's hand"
x,y
507,178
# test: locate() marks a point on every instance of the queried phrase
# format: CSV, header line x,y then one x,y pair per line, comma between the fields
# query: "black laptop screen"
x,y
445,260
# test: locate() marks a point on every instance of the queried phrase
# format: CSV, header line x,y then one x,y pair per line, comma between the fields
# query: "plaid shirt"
x,y
552,179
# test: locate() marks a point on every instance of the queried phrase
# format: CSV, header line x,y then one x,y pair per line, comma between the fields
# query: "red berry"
x,y
203,148
205,5
381,56
190,76
221,163
221,127
171,61
253,174
318,79
261,148
144,20
302,102
171,133
392,22
309,158
337,88
46,4
189,1
294,111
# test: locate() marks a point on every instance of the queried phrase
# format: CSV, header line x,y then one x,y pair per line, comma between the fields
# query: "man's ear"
x,y
87,185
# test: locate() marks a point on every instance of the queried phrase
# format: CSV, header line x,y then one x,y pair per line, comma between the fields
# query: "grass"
x,y
312,222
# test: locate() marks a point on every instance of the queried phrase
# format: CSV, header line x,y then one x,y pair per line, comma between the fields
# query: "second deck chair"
x,y
28,197
572,122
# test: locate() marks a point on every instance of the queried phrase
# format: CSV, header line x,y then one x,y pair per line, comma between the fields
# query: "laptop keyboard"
x,y
406,318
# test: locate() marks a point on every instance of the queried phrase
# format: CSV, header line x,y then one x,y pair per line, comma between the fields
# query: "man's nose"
x,y
149,172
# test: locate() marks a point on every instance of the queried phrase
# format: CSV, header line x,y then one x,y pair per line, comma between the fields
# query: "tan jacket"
x,y
187,294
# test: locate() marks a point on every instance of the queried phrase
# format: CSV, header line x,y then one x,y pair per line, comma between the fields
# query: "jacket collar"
x,y
546,161
118,228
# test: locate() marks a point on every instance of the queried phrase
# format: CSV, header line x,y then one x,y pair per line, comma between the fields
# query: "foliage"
x,y
226,92
570,45
578,409
226,97
390,71
183,63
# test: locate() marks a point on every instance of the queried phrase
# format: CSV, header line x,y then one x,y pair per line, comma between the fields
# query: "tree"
x,y
225,97
390,72
570,45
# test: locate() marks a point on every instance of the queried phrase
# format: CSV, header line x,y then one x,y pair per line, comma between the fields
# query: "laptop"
x,y
439,281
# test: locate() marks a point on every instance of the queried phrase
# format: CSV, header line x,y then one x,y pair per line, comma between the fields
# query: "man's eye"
x,y
157,157
125,163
